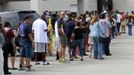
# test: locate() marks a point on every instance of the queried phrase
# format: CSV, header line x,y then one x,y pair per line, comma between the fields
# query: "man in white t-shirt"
x,y
118,20
41,38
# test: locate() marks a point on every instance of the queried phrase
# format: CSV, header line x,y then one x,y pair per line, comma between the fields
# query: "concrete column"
x,y
34,5
86,5
90,5
80,6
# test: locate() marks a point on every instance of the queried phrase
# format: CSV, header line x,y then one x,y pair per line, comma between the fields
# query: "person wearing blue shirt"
x,y
105,32
130,25
26,42
70,28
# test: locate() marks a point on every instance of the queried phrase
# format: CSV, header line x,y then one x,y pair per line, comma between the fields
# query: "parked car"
x,y
16,17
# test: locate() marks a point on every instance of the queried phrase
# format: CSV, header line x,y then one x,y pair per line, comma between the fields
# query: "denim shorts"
x,y
26,51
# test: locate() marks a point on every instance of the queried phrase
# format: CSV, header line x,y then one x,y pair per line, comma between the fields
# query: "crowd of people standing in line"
x,y
90,32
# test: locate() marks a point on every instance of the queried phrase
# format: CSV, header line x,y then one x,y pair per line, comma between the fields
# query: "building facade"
x,y
79,6
52,5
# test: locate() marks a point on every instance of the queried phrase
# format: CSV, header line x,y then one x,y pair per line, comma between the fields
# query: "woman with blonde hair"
x,y
94,34
90,41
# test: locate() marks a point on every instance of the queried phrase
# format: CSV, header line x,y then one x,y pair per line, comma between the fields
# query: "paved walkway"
x,y
121,62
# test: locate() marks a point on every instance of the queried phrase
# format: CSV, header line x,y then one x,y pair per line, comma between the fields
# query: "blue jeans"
x,y
130,29
118,27
98,51
84,43
113,32
77,43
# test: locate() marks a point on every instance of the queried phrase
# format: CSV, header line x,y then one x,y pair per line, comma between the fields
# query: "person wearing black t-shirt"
x,y
77,36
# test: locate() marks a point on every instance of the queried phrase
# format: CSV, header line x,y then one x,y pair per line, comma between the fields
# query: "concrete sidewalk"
x,y
121,62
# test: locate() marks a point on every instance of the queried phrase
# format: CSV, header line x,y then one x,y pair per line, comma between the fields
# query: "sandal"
x,y
14,68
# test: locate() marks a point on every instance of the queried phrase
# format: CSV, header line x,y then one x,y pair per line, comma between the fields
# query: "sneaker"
x,y
71,59
14,68
29,69
76,57
95,58
108,54
57,58
60,60
81,59
21,69
64,61
67,61
85,54
46,63
9,68
37,63
101,58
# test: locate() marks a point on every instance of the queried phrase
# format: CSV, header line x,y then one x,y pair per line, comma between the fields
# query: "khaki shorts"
x,y
41,47
63,40
57,44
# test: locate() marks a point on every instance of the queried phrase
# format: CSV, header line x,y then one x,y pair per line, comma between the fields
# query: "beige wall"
x,y
90,5
52,5
18,5
70,5
34,5
80,6
124,5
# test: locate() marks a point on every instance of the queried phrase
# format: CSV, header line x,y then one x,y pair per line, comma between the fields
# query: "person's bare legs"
x,y
69,51
22,59
90,50
124,29
43,57
28,62
12,61
36,58
86,48
63,52
60,54
50,50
